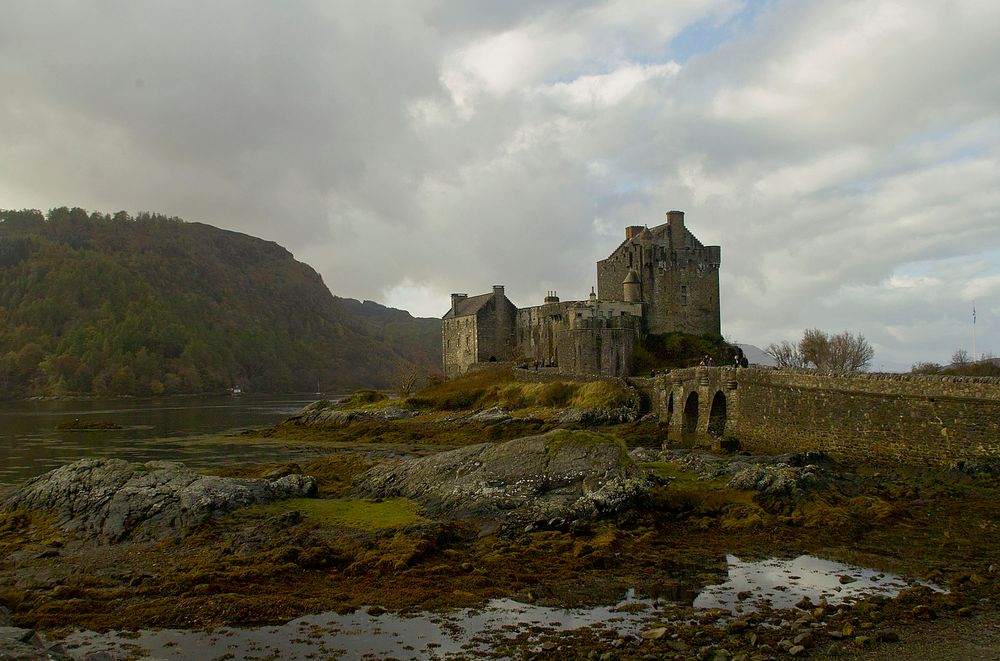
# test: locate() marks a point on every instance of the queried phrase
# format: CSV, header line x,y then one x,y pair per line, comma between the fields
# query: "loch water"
x,y
200,431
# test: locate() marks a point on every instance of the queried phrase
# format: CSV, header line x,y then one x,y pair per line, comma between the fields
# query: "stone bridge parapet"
x,y
911,419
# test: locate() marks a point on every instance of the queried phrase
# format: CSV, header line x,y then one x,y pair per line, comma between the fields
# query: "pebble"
x,y
797,650
862,641
887,636
805,604
804,640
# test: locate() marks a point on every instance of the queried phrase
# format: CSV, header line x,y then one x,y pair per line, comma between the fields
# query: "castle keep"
x,y
659,280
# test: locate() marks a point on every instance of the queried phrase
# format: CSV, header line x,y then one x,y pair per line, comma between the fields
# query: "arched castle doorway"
x,y
717,417
691,413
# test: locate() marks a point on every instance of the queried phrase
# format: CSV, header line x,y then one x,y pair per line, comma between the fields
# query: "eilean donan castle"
x,y
659,280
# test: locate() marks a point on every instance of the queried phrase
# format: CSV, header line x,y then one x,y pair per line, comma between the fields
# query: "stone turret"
x,y
631,289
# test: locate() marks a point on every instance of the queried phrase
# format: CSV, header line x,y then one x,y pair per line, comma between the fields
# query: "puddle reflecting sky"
x,y
467,632
783,583
360,635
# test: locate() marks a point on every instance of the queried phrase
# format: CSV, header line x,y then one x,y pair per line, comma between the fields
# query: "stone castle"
x,y
659,280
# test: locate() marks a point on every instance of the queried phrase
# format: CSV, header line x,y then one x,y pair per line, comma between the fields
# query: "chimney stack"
x,y
551,297
675,221
632,231
498,291
455,298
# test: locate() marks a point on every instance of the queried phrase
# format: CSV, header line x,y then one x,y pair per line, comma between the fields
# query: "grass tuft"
x,y
350,512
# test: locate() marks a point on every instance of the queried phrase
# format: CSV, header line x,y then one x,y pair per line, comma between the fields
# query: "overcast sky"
x,y
845,155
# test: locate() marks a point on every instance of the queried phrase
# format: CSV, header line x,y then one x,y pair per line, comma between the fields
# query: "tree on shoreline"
x,y
841,353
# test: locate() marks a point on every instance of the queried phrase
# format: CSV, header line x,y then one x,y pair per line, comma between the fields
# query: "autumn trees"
x,y
844,352
108,305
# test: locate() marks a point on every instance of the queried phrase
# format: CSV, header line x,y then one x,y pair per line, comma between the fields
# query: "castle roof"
x,y
632,278
467,306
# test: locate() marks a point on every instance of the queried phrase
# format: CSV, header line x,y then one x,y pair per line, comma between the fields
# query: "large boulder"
x,y
113,500
559,476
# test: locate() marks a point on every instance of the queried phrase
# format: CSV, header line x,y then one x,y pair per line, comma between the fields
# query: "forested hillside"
x,y
116,305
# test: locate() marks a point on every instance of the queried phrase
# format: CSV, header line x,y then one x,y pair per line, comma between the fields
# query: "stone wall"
x,y
599,345
459,344
550,374
580,337
911,419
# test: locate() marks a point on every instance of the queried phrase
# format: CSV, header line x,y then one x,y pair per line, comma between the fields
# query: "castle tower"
x,y
676,277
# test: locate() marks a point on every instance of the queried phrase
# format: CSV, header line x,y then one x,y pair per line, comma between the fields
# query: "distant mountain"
x,y
757,356
115,305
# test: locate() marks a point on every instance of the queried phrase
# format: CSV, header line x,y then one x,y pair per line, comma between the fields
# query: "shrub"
x,y
556,393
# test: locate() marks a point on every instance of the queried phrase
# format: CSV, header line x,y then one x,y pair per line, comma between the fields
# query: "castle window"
x,y
684,294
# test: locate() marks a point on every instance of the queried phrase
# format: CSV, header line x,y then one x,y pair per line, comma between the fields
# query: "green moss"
x,y
688,493
349,512
559,440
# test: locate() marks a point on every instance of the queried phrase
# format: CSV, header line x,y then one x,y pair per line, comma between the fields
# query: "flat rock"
x,y
334,413
776,480
490,416
559,476
111,500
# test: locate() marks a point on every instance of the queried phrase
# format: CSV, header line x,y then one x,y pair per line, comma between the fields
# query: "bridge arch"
x,y
691,413
717,415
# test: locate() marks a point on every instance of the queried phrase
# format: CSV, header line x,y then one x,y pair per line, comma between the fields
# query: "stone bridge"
x,y
911,419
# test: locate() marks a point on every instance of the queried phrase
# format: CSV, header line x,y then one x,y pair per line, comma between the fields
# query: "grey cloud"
x,y
330,128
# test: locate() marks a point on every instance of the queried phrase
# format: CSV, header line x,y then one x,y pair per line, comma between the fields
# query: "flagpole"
x,y
974,331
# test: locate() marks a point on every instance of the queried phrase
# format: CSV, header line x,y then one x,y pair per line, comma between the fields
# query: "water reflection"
x,y
783,583
359,634
465,632
152,429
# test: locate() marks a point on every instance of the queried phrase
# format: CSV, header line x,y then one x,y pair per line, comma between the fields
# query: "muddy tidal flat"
x,y
502,534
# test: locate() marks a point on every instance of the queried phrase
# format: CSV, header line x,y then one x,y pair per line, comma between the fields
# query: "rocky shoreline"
x,y
450,509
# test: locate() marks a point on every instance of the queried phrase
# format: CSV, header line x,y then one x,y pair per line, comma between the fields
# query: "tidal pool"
x,y
463,632
783,583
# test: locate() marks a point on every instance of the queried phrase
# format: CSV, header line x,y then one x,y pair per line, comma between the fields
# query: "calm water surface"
x,y
184,429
